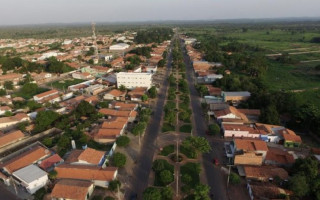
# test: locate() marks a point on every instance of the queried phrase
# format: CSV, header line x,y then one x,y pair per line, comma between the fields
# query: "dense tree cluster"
x,y
142,51
156,35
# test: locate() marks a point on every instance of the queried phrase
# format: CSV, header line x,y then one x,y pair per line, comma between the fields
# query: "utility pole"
x,y
119,195
177,185
228,176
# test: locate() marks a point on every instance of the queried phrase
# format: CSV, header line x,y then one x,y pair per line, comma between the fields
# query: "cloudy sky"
x,y
13,12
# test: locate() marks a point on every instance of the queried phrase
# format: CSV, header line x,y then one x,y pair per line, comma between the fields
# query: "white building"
x,y
132,80
31,177
119,47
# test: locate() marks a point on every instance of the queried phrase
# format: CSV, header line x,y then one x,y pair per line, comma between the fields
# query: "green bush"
x,y
167,150
123,141
167,127
186,128
234,178
214,129
119,159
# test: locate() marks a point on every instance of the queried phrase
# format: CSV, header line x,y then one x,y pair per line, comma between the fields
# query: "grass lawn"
x,y
167,127
167,150
166,166
193,170
289,77
187,151
186,128
64,84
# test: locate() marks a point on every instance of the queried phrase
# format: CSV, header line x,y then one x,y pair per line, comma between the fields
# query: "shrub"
x,y
119,159
123,141
234,178
214,129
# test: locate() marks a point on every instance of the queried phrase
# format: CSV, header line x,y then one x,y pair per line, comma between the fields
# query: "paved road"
x,y
215,177
7,195
142,170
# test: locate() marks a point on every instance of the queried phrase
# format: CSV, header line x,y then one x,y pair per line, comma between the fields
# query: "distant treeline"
x,y
156,35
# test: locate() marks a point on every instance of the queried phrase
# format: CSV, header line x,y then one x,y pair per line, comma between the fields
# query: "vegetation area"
x,y
186,128
163,172
153,35
280,85
167,150
63,85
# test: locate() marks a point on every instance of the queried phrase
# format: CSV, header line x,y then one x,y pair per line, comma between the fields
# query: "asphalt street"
x,y
7,195
142,169
215,177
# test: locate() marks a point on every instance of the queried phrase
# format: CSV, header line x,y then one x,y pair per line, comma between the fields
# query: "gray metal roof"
x,y
29,173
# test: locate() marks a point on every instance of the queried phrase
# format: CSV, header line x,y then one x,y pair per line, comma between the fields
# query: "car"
x,y
215,161
134,196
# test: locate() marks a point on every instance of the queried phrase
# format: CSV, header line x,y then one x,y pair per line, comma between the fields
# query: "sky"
x,y
19,12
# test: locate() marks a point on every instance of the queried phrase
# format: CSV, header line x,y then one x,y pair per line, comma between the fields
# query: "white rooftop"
x,y
240,93
29,174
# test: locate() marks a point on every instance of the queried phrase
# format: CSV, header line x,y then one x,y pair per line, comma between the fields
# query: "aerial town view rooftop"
x,y
159,100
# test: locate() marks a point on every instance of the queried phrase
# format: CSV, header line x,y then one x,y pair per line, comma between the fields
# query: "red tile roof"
x,y
8,138
251,145
50,162
84,172
71,189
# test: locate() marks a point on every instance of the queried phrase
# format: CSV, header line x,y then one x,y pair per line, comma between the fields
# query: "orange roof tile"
x,y
71,189
251,145
116,93
49,162
265,172
50,92
85,172
279,156
91,156
113,124
31,156
108,133
10,137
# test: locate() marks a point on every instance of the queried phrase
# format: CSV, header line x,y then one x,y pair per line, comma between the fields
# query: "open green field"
x,y
291,77
64,84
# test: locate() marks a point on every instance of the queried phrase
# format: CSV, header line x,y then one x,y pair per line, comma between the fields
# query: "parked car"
x,y
215,161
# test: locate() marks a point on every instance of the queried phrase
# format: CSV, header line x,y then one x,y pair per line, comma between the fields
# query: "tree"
x,y
270,115
45,119
167,193
152,193
8,113
119,159
199,143
298,184
53,174
139,128
123,141
161,63
152,92
47,142
234,178
122,88
201,192
186,178
166,177
8,85
114,184
144,98
32,105
170,117
22,126
214,129
159,165
2,92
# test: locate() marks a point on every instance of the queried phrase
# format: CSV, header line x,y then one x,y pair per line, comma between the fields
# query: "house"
x,y
249,151
229,113
201,66
290,138
44,95
131,115
115,95
209,78
119,47
124,106
88,156
49,163
5,100
240,130
264,173
214,91
99,176
72,189
31,177
4,109
106,136
92,100
10,122
14,77
137,93
81,75
279,157
150,69
95,89
132,80
264,191
114,124
235,97
189,40
24,159
11,137
117,63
